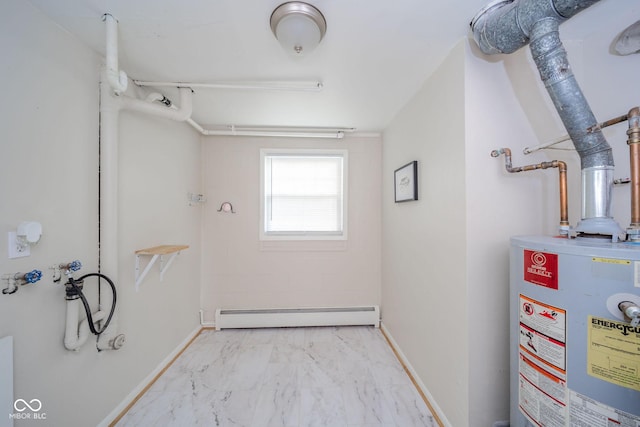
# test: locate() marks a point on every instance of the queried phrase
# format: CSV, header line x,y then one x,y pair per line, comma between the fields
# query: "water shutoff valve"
x,y
32,276
68,269
20,279
73,265
631,312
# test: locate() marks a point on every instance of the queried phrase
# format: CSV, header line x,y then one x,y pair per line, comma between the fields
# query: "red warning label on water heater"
x,y
541,268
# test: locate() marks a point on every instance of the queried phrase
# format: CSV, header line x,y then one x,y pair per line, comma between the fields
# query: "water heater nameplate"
x,y
585,411
614,352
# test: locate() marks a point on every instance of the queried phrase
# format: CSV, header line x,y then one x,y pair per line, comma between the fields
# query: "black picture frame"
x,y
405,182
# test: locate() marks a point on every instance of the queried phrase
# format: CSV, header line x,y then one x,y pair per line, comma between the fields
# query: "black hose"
x,y
87,309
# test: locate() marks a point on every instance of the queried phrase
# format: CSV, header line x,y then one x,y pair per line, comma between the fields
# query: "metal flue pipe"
x,y
506,26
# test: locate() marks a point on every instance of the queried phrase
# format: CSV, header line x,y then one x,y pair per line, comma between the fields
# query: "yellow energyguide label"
x,y
611,261
613,353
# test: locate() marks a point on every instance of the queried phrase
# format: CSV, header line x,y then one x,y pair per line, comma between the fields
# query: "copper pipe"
x,y
562,175
634,158
564,207
608,123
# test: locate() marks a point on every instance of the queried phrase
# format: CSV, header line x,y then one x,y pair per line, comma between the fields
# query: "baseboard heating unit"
x,y
292,317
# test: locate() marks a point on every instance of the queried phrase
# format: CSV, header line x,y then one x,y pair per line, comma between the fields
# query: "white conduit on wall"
x,y
112,101
109,112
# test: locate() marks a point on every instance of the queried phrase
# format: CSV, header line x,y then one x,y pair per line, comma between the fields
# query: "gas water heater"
x,y
575,338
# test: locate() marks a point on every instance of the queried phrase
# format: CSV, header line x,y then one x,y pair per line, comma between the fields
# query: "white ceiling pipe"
x,y
265,132
290,134
117,79
274,132
181,113
301,86
155,96
196,126
285,129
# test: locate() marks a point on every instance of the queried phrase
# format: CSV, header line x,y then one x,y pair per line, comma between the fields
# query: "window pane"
x,y
303,194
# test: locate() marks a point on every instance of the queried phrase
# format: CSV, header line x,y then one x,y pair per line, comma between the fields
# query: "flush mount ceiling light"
x,y
298,26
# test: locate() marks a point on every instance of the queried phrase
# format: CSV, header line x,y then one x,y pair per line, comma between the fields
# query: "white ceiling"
x,y
375,55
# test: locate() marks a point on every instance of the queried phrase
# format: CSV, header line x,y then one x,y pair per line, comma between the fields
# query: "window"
x,y
303,194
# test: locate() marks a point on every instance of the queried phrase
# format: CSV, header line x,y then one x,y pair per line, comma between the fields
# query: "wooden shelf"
x,y
155,253
161,250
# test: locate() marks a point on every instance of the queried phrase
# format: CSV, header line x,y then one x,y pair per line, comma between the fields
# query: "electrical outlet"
x,y
14,249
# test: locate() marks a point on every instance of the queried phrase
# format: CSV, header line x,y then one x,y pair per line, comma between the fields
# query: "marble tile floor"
x,y
285,377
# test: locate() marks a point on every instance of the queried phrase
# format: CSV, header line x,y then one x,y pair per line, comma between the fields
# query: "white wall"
x,y
49,151
240,271
445,257
499,205
423,257
159,166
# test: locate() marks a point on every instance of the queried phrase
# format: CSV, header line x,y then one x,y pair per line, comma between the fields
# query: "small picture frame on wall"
x,y
405,181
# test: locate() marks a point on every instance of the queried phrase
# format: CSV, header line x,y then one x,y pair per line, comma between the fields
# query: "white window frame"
x,y
303,152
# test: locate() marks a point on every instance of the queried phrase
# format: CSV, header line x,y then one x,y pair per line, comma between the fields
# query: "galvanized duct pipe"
x,y
504,27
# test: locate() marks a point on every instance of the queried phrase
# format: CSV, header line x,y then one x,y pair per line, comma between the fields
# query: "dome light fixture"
x,y
298,26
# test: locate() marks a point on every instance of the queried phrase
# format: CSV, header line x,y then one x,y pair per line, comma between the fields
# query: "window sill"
x,y
303,245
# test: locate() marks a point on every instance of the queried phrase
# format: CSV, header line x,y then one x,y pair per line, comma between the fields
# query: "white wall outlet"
x,y
14,249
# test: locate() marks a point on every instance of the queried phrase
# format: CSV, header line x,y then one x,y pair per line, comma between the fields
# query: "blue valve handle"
x,y
33,276
75,265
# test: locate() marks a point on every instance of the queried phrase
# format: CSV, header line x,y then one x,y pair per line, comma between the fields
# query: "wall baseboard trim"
x,y
204,323
124,406
441,419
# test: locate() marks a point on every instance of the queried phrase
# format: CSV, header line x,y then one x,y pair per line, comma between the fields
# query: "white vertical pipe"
x,y
116,78
109,112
